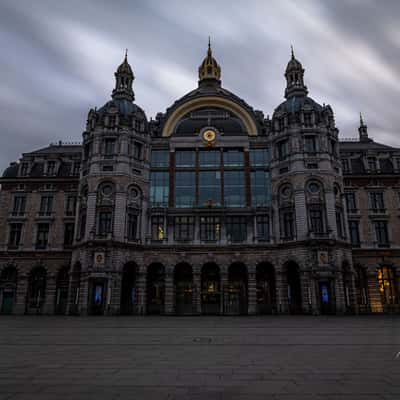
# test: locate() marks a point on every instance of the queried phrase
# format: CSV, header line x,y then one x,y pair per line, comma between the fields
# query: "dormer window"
x,y
112,120
24,169
372,164
51,168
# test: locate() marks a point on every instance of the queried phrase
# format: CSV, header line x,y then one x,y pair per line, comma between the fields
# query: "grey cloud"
x,y
58,59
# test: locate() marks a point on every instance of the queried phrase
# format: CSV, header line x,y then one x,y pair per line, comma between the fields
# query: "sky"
x,y
58,59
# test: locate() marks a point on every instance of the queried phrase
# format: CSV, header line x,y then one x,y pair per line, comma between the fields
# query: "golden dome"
x,y
209,68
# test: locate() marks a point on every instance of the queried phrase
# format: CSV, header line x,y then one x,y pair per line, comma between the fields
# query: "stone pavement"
x,y
273,357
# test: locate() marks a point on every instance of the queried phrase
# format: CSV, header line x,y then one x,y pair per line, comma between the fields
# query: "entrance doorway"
x,y
62,291
155,289
210,289
98,297
128,290
293,288
235,295
183,282
266,293
326,300
8,286
36,291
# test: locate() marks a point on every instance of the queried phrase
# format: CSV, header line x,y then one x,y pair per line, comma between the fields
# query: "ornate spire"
x,y
123,81
363,130
294,78
209,68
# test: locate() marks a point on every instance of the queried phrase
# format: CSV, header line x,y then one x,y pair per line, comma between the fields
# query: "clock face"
x,y
209,135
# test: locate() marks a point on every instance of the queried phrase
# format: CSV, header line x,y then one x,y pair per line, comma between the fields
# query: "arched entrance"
x,y
75,288
293,288
62,291
98,294
128,289
361,286
155,289
210,289
266,292
235,295
36,290
8,289
183,283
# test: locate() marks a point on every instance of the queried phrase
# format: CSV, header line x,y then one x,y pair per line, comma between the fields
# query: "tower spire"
x,y
294,75
123,81
291,48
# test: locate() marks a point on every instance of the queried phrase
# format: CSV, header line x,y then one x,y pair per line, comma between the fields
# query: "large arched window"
x,y
286,213
105,207
315,198
387,285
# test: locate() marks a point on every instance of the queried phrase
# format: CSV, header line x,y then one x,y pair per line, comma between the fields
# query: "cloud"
x,y
58,59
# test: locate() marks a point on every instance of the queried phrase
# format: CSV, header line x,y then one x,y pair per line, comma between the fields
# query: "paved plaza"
x,y
209,358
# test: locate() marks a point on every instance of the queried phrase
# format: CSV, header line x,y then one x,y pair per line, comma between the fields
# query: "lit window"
x,y
387,286
157,227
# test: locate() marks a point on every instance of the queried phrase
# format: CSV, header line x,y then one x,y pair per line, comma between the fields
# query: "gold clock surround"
x,y
209,135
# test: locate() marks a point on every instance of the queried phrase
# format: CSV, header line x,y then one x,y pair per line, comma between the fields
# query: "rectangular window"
x,y
287,224
351,205
19,205
109,147
14,239
132,226
316,221
233,158
104,223
137,150
159,189
70,205
339,223
77,168
377,203
310,144
372,164
185,158
283,149
24,169
263,228
184,228
210,228
157,227
381,232
260,188
46,205
42,237
354,233
51,168
234,189
345,165
307,119
69,233
259,157
236,229
185,189
210,158
160,159
209,188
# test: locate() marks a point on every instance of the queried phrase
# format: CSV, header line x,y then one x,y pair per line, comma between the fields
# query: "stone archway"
x,y
236,292
8,289
183,284
294,295
266,289
36,295
155,289
210,289
128,304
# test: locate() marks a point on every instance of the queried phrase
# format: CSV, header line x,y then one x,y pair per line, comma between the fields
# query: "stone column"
x,y
339,293
50,299
196,291
21,294
306,297
169,290
281,293
119,216
90,214
301,215
331,212
114,283
141,290
83,305
252,292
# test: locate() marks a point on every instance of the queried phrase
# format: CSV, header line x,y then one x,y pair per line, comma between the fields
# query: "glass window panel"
x,y
184,228
209,188
263,227
159,189
259,157
236,229
233,158
185,158
234,189
210,158
185,189
160,158
260,188
210,228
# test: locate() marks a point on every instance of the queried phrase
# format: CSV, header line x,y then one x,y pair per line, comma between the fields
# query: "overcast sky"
x,y
58,59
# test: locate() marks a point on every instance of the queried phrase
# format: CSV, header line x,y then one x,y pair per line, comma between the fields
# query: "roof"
x,y
124,107
369,144
296,103
58,149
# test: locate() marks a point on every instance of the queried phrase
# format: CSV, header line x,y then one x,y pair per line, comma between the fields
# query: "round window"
x,y
134,193
313,187
107,190
286,191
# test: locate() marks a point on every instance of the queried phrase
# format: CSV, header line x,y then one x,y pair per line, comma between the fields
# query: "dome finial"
x,y
361,120
123,81
292,51
126,55
209,69
363,130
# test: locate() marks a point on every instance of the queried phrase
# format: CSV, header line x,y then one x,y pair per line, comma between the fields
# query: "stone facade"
x,y
208,209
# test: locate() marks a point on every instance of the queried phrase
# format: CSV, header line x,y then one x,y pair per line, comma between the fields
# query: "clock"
x,y
209,135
